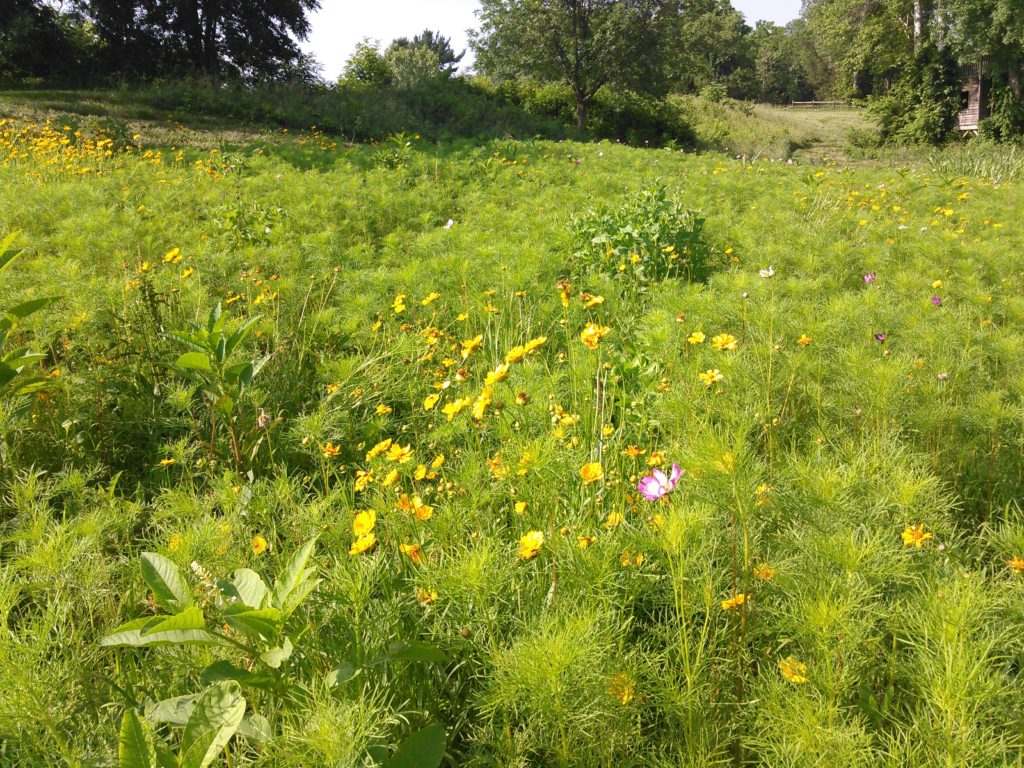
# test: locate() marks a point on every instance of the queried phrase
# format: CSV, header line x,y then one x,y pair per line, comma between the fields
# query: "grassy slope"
x,y
809,459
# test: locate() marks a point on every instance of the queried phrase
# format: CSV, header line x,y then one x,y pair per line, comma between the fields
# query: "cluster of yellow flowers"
x,y
62,149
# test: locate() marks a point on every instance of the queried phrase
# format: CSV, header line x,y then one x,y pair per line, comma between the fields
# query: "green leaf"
x,y
275,657
258,623
25,309
188,340
236,338
131,634
247,586
216,717
424,749
190,618
293,574
225,670
416,651
6,255
240,373
255,728
341,674
196,361
175,710
134,744
170,590
214,322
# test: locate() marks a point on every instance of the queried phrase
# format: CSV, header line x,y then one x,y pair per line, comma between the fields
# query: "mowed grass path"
x,y
852,473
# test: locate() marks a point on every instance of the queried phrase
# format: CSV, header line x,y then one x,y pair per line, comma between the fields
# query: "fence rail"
x,y
816,104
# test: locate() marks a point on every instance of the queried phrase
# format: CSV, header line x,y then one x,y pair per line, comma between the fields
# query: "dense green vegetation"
x,y
341,443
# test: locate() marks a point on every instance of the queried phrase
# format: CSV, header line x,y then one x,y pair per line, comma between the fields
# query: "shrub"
x,y
649,238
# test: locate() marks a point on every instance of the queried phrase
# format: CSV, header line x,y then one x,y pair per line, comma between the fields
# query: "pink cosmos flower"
x,y
657,485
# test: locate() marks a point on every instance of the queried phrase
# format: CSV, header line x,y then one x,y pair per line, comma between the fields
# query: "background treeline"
x,y
607,66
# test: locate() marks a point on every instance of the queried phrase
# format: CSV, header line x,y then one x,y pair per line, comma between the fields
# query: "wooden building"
x,y
974,93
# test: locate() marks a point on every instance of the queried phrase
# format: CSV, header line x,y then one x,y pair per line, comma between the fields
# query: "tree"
x,y
413,65
253,38
584,43
447,61
366,67
707,43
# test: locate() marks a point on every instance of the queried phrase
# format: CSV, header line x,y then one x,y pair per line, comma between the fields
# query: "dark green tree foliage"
x,y
447,59
585,44
37,41
992,32
778,73
705,42
252,38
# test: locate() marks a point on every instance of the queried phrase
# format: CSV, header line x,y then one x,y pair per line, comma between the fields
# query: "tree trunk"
x,y
1013,73
918,25
581,111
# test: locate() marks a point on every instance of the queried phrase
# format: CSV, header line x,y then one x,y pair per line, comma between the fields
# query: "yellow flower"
x,y
520,507
390,478
724,342
710,377
430,298
259,545
564,291
613,520
726,465
420,472
362,543
696,338
332,388
498,375
438,461
187,272
804,340
915,536
231,300
607,430
533,344
936,284
173,256
656,459
622,688
629,560
452,409
398,305
585,541
633,451
793,670
1016,563
400,453
383,410
424,596
591,472
430,401
363,479
378,449
469,346
592,334
175,542
330,450
530,544
481,403
764,572
364,522
591,300
734,602
166,462
413,551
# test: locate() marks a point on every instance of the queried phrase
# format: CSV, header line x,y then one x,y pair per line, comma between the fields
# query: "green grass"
x,y
804,463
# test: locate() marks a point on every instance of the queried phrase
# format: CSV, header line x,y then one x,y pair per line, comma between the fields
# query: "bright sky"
x,y
340,24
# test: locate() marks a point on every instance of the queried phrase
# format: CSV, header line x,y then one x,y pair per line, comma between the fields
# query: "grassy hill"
x,y
450,365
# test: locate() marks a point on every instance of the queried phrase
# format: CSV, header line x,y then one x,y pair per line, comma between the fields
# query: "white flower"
x,y
450,224
768,272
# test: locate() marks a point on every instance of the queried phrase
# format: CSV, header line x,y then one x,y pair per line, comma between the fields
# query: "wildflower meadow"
x,y
504,453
